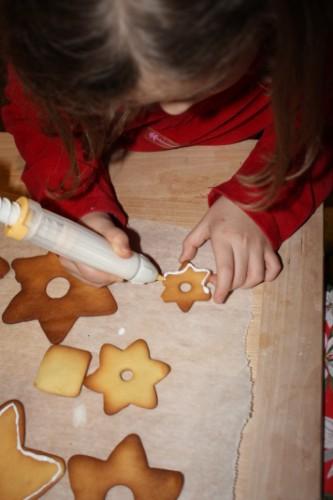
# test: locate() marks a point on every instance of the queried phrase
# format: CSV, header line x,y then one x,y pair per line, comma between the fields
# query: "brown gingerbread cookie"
x,y
24,473
127,377
92,478
4,267
186,286
55,315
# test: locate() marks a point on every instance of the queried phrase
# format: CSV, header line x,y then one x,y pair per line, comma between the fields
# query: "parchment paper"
x,y
203,403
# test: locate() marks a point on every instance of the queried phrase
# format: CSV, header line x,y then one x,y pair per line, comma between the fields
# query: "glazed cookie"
x,y
92,478
24,473
186,286
62,370
127,377
4,267
55,315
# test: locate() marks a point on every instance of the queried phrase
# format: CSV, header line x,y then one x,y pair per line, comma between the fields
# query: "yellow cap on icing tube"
x,y
19,230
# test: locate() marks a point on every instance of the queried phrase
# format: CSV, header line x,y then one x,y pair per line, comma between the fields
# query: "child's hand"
x,y
102,224
244,257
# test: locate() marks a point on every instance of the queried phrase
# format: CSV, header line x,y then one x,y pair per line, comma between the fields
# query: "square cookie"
x,y
63,370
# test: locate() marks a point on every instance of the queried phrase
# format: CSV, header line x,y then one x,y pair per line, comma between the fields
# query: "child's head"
x,y
97,53
92,58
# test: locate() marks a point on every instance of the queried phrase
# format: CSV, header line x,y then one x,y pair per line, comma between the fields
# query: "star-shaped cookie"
x,y
24,473
127,377
55,315
186,286
4,267
91,478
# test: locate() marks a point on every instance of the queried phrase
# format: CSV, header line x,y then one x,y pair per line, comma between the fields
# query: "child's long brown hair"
x,y
81,58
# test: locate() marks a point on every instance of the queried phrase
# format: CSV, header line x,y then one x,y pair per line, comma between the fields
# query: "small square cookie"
x,y
63,370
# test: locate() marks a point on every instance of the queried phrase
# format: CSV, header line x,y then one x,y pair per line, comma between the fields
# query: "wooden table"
x,y
280,452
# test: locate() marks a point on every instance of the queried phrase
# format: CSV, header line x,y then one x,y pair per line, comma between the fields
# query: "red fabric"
x,y
240,113
47,162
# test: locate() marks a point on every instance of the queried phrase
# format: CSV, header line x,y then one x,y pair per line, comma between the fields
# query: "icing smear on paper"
x,y
79,416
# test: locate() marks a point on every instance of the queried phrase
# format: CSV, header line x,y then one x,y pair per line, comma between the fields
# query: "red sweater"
x,y
237,114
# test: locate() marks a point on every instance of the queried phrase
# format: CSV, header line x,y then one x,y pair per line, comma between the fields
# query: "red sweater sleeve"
x,y
296,200
48,164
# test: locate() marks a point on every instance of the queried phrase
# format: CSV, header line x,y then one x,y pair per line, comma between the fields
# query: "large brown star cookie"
x,y
24,473
55,315
4,267
91,478
127,377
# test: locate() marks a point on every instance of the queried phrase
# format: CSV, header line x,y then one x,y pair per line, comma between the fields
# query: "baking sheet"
x,y
203,403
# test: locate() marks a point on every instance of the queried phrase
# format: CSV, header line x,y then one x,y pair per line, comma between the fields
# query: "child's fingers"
x,y
102,224
193,241
98,221
70,266
87,274
263,266
273,265
241,259
224,259
96,277
189,252
118,240
256,269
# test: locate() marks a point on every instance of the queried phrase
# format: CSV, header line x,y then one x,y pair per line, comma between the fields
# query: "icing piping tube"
x,y
25,219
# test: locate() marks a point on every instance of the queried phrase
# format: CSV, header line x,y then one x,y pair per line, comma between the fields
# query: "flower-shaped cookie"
x,y
4,267
127,377
127,465
24,473
55,315
186,286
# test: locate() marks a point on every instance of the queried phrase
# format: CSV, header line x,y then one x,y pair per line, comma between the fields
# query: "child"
x,y
88,77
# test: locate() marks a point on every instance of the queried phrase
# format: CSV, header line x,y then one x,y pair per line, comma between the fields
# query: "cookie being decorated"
x,y
55,315
24,473
92,478
186,286
127,377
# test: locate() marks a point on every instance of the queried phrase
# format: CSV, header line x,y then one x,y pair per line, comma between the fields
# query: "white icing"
x,y
35,456
80,416
196,270
121,331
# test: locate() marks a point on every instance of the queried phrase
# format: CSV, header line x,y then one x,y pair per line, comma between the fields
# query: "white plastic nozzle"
x,y
9,211
146,271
